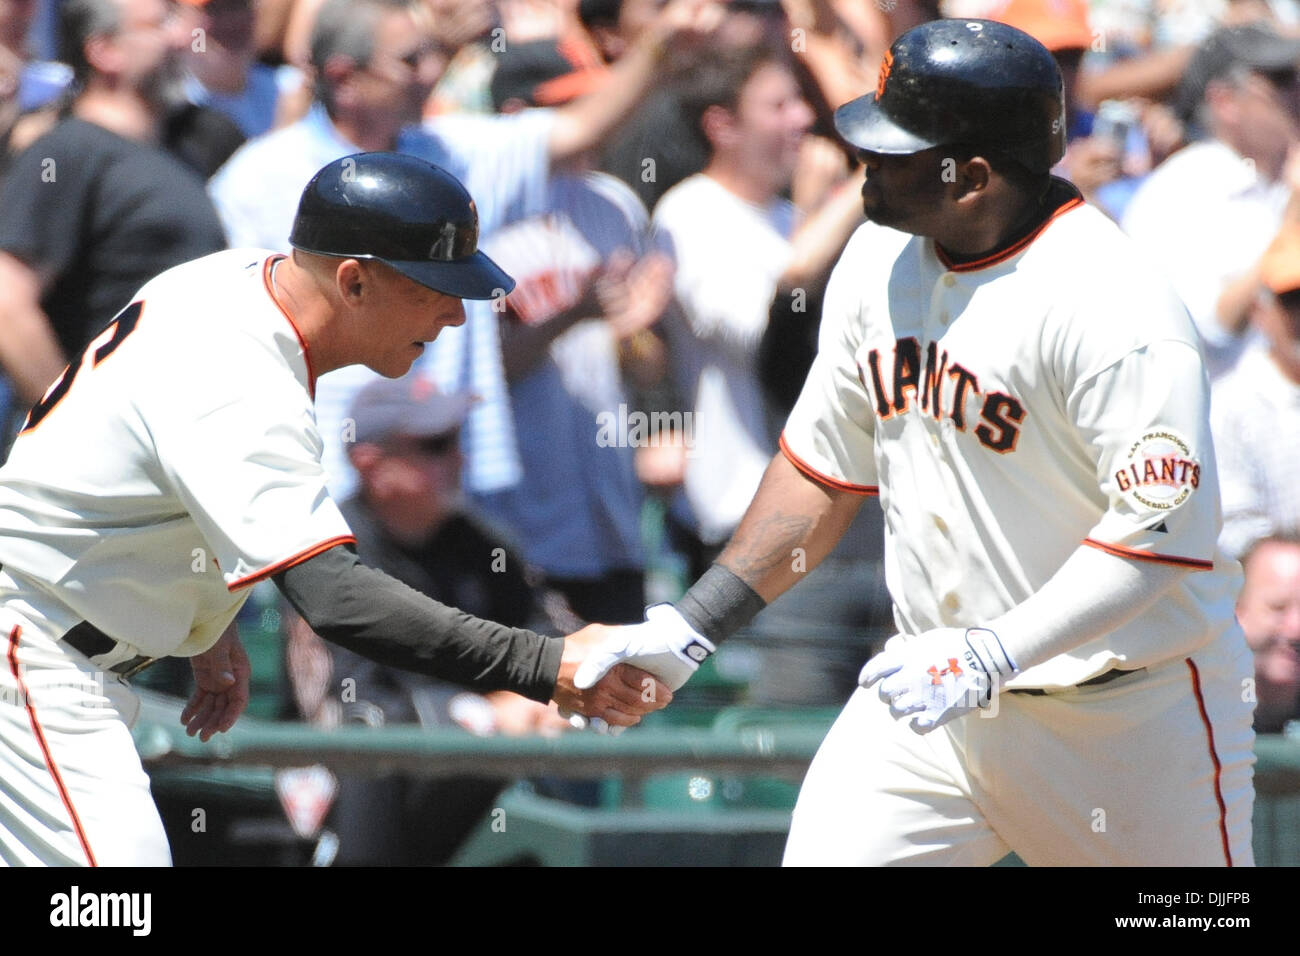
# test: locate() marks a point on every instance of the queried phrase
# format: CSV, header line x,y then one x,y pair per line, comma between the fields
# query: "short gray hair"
x,y
346,28
79,20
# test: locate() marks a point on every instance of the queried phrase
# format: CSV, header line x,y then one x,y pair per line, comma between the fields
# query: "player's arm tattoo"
x,y
764,545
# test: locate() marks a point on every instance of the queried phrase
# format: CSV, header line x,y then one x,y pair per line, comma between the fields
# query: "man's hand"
x,y
939,675
633,293
617,694
221,693
665,645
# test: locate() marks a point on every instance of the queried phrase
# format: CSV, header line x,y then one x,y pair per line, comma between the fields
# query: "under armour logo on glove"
x,y
939,675
936,675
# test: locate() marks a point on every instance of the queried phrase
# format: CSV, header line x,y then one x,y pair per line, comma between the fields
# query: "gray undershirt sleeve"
x,y
378,617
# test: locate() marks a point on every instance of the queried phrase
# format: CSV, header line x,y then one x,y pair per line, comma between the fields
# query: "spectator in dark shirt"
x,y
95,208
409,520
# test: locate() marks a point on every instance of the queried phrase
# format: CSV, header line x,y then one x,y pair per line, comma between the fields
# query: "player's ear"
x,y
351,279
973,177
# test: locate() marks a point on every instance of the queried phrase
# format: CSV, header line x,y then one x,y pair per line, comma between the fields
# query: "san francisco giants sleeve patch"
x,y
1157,471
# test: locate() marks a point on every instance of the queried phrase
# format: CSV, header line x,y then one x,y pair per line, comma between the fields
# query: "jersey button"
x,y
949,279
941,525
952,602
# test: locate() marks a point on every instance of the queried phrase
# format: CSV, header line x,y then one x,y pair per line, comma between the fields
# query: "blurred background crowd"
x,y
663,180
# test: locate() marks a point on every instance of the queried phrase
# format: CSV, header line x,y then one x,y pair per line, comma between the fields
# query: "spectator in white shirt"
x,y
1255,411
1209,211
735,243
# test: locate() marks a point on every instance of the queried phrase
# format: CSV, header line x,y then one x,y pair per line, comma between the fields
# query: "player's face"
x,y
906,192
401,318
772,119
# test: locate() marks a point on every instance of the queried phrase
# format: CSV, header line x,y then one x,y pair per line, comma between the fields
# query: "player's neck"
x,y
995,224
296,292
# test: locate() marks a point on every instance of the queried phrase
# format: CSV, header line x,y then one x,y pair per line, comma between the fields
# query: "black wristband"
x,y
719,604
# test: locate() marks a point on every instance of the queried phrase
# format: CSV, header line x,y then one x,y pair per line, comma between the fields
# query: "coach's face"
x,y
394,318
909,193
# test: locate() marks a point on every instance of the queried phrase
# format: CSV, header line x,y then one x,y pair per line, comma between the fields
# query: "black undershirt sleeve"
x,y
378,617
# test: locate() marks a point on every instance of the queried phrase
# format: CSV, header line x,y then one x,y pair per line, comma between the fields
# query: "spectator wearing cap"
x,y
1255,412
375,63
588,289
1207,214
1268,610
410,520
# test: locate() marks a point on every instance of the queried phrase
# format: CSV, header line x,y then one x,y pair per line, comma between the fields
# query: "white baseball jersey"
x,y
173,464
1011,409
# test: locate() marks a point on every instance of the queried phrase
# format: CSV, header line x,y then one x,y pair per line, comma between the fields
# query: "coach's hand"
x,y
664,644
939,675
221,687
617,696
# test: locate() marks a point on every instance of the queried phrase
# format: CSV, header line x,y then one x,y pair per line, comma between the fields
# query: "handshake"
x,y
611,676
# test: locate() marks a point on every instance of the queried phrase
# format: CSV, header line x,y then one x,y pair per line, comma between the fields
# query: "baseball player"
x,y
1028,401
177,462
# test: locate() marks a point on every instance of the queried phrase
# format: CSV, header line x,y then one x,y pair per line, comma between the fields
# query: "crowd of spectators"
x,y
663,180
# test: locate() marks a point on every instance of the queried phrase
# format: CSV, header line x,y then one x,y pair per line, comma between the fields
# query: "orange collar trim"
x,y
1016,247
270,290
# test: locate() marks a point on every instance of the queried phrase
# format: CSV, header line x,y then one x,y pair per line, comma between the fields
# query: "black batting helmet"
x,y
963,81
404,212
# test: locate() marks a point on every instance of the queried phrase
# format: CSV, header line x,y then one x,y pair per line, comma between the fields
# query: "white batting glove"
x,y
665,645
939,675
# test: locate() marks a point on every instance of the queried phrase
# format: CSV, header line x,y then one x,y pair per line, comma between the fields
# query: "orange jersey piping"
x,y
826,480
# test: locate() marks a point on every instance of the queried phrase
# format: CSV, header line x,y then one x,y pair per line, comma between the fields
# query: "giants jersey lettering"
x,y
173,464
1000,413
1007,412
